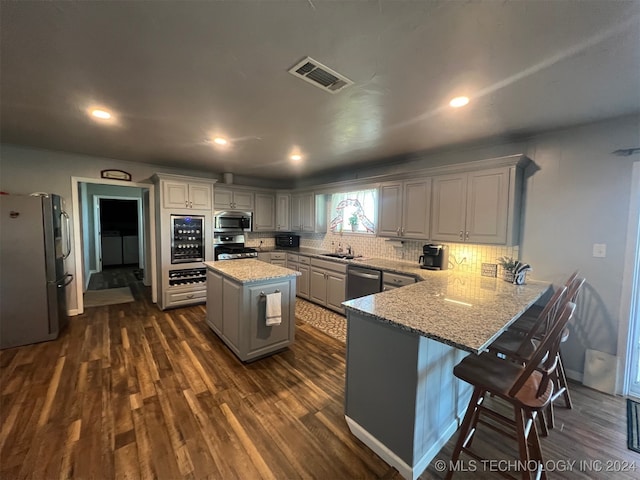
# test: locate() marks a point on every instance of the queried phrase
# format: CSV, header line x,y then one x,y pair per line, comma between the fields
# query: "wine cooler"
x,y
187,239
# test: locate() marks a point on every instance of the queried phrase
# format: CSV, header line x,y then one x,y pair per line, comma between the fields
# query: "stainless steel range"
x,y
230,246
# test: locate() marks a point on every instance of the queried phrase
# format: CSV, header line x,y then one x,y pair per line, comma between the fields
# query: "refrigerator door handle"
x,y
67,234
61,283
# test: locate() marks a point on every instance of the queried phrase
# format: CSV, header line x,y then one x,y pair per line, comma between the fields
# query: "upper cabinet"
x,y
264,213
234,199
404,209
308,213
283,212
181,195
477,207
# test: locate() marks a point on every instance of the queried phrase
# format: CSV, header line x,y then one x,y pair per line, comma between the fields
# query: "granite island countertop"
x,y
462,310
250,270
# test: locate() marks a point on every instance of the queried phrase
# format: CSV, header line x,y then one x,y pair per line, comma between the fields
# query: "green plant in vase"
x,y
508,265
353,221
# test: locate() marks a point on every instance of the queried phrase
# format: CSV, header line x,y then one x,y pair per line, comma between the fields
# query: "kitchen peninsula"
x,y
401,397
237,293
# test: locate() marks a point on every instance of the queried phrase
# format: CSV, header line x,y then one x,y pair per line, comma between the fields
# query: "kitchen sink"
x,y
344,256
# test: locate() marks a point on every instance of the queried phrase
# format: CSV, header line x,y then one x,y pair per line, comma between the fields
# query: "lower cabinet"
x,y
328,283
393,280
237,314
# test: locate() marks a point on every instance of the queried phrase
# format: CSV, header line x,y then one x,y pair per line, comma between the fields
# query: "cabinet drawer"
x,y
328,265
303,260
278,255
178,298
291,257
396,280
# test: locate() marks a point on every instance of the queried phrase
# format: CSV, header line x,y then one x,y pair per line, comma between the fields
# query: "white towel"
x,y
274,311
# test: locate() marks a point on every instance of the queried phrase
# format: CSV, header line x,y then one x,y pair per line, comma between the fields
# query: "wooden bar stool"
x,y
527,388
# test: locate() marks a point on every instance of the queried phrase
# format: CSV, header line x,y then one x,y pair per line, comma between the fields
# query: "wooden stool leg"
x,y
523,444
542,418
562,380
534,441
465,427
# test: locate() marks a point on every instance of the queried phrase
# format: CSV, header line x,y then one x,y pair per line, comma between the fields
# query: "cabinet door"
x,y
303,281
318,286
283,217
264,257
390,205
336,293
243,201
175,195
264,215
214,303
416,209
222,198
487,206
448,208
296,213
308,212
199,196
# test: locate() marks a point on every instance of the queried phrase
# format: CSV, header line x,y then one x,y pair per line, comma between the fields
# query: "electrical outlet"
x,y
600,250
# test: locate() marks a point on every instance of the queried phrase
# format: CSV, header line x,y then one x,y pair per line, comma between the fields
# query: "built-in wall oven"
x,y
187,238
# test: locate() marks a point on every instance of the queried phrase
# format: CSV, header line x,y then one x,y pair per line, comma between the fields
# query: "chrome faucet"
x,y
349,250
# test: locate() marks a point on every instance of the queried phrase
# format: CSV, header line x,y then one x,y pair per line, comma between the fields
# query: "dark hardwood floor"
x,y
128,391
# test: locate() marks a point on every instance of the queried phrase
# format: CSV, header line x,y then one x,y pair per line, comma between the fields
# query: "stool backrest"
x,y
545,358
545,320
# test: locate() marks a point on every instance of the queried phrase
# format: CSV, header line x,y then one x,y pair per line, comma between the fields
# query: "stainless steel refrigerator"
x,y
34,242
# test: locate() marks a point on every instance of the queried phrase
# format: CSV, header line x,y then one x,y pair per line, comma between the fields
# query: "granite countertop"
x,y
250,270
462,310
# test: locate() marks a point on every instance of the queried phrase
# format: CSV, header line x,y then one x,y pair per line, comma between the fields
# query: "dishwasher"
x,y
362,282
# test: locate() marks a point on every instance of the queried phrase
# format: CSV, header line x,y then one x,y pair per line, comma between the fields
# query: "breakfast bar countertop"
x,y
462,310
250,270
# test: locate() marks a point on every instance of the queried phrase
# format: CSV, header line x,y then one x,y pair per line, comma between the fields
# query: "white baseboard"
x,y
407,471
573,375
73,312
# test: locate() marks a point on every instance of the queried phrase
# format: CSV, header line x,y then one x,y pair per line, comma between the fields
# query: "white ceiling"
x,y
177,74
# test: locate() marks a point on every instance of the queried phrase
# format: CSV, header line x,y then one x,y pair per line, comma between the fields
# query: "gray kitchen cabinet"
x,y
237,313
405,209
181,195
274,258
214,308
477,207
308,213
264,214
234,199
303,281
283,212
327,283
394,280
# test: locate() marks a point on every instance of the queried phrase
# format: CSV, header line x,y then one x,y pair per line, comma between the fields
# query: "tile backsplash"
x,y
462,256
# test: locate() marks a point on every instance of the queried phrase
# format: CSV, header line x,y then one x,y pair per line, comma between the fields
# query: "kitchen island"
x,y
237,293
401,397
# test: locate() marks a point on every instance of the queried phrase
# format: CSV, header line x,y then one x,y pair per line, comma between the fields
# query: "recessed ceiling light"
x,y
459,102
101,114
296,157
220,141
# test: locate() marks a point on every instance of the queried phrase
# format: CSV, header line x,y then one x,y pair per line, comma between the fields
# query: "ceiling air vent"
x,y
320,75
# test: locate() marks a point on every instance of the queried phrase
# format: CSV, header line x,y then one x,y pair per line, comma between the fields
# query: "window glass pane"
x,y
354,211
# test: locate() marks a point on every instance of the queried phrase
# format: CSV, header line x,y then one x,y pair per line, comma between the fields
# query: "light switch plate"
x,y
600,250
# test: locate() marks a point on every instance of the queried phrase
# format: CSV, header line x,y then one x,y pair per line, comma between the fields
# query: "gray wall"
x,y
579,195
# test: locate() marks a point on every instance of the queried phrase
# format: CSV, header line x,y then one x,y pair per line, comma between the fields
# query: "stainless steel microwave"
x,y
232,221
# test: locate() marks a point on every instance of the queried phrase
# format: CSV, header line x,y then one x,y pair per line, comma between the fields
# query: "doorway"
x,y
629,333
119,236
86,223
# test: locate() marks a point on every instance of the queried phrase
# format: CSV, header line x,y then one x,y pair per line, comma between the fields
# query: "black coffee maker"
x,y
434,257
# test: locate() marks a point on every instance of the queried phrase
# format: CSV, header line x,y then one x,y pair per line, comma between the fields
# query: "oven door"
x,y
232,221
